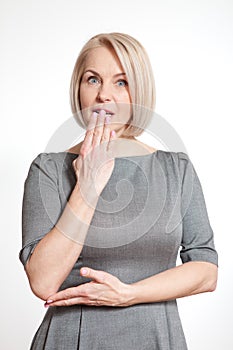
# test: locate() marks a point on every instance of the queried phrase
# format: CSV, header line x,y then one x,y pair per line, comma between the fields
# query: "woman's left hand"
x,y
104,290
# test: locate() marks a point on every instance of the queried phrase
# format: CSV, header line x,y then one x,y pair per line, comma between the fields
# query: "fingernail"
x,y
95,114
107,119
102,112
84,271
113,133
46,305
49,301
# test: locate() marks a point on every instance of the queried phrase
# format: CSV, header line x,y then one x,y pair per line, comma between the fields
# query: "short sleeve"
x,y
197,234
41,207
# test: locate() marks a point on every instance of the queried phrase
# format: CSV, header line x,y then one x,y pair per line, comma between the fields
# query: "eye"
x,y
122,82
93,80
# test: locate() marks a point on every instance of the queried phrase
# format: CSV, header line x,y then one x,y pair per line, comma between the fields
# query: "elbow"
x,y
40,290
211,278
212,285
40,287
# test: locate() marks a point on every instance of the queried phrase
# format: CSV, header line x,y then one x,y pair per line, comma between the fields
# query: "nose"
x,y
104,94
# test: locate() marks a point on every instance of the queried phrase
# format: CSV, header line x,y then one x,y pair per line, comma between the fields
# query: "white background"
x,y
190,47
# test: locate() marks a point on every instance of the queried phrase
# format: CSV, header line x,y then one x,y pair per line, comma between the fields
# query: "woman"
x,y
101,251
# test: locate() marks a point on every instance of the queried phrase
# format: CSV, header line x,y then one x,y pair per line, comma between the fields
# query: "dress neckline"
x,y
139,156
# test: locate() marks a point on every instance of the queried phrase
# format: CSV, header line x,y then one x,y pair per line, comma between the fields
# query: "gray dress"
x,y
151,209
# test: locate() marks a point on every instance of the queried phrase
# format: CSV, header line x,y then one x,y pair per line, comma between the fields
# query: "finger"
x,y
97,135
97,275
110,145
65,294
73,301
76,163
92,122
84,292
87,142
106,131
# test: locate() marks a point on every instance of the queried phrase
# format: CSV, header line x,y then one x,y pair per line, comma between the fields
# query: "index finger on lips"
x,y
92,122
99,128
87,142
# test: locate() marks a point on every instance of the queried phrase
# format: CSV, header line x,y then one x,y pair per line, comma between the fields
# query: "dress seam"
x,y
79,333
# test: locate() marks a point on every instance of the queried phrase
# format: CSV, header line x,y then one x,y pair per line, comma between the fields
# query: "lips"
x,y
107,111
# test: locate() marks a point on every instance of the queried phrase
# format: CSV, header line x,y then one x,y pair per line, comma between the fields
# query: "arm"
x,y
184,280
56,254
107,290
58,241
197,274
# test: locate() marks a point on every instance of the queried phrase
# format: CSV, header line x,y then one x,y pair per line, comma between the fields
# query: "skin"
x,y
107,290
104,85
56,254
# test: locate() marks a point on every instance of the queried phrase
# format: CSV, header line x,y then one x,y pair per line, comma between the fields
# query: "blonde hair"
x,y
137,67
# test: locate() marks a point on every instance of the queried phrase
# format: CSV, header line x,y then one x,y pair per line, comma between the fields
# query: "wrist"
x,y
129,295
80,196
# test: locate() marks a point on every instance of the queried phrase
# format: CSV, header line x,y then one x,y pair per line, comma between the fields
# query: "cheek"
x,y
125,97
86,97
82,97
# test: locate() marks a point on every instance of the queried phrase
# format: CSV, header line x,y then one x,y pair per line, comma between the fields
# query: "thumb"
x,y
97,275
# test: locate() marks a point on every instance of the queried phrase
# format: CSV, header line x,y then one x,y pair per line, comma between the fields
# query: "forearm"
x,y
56,254
184,280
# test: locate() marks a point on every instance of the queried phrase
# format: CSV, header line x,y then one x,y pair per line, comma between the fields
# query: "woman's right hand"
x,y
94,165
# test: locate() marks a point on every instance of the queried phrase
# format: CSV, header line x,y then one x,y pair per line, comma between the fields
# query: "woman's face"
x,y
104,86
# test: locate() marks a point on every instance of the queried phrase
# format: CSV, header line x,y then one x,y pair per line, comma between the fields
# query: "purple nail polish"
x,y
102,112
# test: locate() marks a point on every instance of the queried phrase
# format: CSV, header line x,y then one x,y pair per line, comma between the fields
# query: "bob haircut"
x,y
137,67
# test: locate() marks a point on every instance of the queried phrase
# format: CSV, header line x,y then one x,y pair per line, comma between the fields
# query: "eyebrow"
x,y
94,72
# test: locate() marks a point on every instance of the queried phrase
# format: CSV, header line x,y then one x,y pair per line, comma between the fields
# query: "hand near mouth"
x,y
94,165
107,111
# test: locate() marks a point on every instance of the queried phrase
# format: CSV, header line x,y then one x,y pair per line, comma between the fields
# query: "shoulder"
x,y
172,154
52,158
172,157
45,164
177,164
51,163
43,161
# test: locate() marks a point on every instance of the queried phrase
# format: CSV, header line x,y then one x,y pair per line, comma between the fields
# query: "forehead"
x,y
103,59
